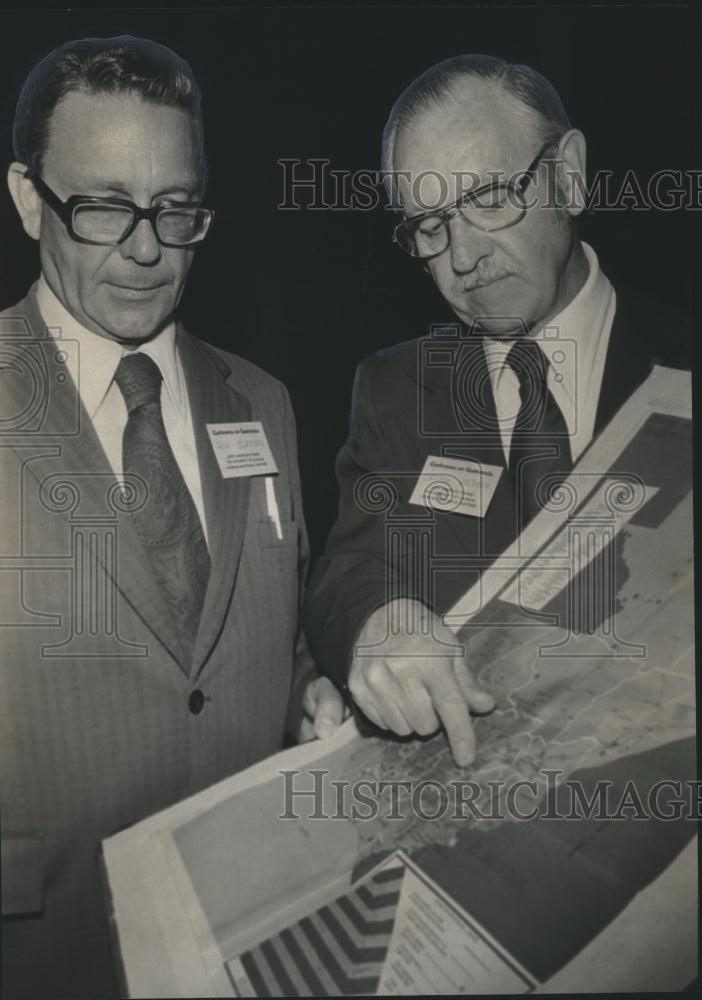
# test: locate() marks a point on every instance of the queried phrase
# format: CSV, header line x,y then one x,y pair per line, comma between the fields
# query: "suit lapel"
x,y
458,418
226,501
455,400
628,361
71,453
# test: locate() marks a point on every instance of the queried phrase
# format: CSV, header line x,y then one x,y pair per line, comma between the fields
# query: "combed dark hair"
x,y
443,80
123,64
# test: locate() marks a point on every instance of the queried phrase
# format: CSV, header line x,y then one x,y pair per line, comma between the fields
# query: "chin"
x,y
136,328
497,326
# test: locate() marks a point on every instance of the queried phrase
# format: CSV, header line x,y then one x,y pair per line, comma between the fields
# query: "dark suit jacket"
x,y
407,405
96,728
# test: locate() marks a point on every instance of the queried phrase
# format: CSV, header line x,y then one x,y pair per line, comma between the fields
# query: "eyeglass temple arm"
x,y
45,192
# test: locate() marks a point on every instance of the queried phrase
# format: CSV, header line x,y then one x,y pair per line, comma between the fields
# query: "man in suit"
x,y
153,546
481,160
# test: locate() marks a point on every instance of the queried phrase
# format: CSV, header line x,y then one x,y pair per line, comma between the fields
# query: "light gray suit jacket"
x,y
97,725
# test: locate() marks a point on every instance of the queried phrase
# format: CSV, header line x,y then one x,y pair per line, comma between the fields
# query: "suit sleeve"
x,y
354,577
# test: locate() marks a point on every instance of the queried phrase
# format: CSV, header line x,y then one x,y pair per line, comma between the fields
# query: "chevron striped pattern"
x,y
337,951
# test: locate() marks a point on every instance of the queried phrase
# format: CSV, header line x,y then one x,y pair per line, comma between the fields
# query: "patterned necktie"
x,y
539,456
168,523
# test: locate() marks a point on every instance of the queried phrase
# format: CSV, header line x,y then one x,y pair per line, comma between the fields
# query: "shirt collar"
x,y
93,366
584,316
584,313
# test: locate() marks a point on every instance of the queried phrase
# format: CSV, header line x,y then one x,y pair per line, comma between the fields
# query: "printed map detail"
x,y
556,712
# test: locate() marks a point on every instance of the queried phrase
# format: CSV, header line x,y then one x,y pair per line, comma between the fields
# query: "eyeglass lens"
x,y
108,223
495,208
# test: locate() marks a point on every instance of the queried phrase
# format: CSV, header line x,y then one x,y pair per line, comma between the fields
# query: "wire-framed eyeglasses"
x,y
489,208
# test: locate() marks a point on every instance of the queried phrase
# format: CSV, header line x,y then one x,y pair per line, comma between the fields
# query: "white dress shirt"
x,y
93,372
575,345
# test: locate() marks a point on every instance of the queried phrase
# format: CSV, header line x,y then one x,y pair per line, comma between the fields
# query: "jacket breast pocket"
x,y
281,535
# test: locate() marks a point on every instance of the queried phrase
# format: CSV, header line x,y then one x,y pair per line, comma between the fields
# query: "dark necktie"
x,y
168,523
539,456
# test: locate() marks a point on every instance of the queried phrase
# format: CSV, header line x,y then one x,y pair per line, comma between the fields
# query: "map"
x,y
559,713
569,842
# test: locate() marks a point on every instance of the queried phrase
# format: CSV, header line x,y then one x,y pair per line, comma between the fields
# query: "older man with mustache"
x,y
506,394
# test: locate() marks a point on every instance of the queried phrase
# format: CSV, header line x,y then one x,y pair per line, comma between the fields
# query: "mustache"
x,y
478,277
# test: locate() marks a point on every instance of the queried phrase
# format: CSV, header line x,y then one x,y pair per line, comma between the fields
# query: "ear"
x,y
27,201
571,173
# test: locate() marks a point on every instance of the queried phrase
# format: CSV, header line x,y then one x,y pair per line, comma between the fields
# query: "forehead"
x,y
121,138
478,129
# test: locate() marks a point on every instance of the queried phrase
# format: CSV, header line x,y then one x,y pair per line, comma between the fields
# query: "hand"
x,y
323,710
418,680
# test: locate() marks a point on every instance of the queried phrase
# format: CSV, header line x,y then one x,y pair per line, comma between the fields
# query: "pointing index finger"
x,y
450,706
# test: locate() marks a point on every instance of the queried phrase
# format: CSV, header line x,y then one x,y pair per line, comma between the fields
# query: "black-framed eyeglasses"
x,y
489,208
110,221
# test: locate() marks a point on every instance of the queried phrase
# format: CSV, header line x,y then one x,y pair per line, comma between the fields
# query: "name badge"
x,y
242,449
456,485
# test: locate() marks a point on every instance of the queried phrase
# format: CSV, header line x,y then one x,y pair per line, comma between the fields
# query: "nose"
x,y
142,245
468,245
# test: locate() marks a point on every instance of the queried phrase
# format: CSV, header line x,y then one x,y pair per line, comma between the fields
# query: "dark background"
x,y
306,294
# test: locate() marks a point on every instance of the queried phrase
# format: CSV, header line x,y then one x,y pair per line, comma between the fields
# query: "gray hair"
x,y
532,90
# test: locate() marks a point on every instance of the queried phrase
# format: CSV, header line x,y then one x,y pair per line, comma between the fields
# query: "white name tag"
x,y
242,449
457,485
